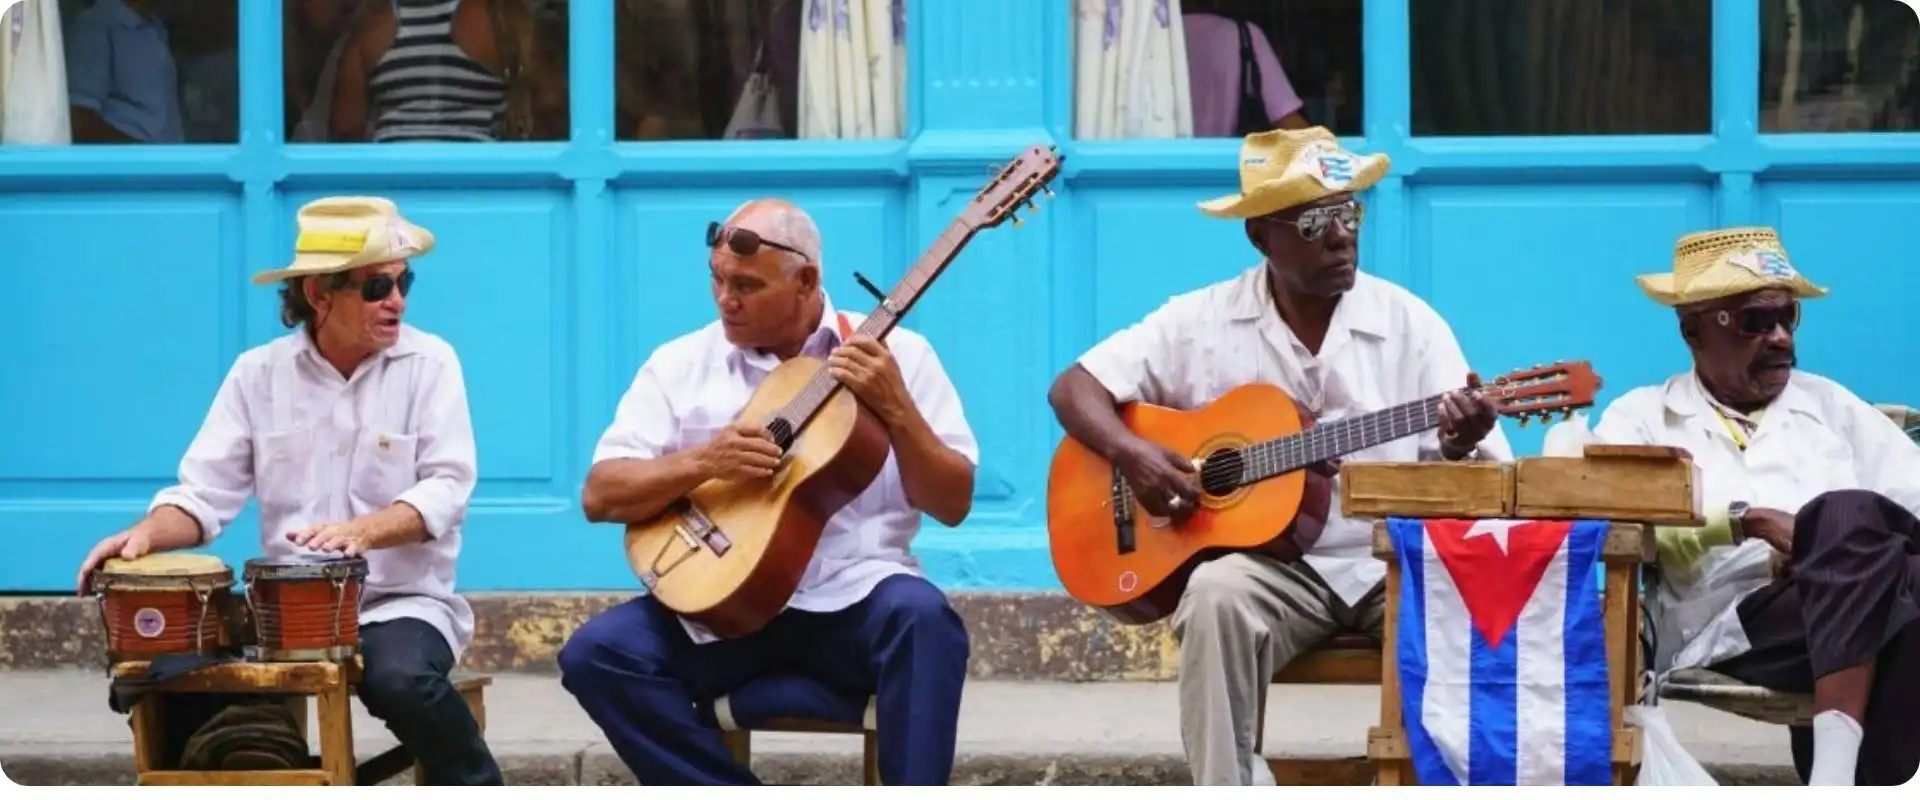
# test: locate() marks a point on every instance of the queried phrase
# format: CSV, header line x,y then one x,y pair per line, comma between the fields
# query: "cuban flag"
x,y
1502,652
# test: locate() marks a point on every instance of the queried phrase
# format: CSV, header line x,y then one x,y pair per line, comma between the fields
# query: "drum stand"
x,y
332,684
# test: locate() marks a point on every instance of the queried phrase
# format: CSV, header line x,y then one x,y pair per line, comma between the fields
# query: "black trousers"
x,y
1850,598
405,685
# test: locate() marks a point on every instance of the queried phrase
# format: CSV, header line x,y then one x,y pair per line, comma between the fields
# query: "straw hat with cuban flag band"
x,y
1710,265
1281,169
337,234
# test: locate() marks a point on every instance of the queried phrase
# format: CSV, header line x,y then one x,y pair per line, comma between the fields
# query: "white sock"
x,y
1836,746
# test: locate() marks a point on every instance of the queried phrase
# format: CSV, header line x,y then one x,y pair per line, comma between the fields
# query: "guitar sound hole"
x,y
1220,472
782,432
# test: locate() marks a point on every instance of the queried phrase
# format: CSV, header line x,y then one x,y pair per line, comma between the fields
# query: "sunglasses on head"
x,y
1760,320
743,242
376,288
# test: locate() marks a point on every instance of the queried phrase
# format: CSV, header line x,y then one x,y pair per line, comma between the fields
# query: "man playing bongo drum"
x,y
354,434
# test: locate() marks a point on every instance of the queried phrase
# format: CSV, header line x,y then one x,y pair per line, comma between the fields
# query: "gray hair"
x,y
789,225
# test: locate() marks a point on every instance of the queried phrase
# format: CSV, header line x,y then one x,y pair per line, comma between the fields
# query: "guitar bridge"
x,y
1122,514
697,529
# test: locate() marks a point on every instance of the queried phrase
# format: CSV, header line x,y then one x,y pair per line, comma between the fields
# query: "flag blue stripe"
x,y
1493,718
1408,535
1589,719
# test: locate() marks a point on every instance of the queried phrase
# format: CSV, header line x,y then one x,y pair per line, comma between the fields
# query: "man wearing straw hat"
x,y
1793,464
1341,343
353,432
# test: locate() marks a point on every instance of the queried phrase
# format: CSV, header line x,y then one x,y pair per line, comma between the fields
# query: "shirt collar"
x,y
407,344
824,338
1687,397
1359,310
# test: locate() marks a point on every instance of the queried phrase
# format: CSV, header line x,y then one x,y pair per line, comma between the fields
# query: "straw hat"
x,y
337,234
1710,265
1281,169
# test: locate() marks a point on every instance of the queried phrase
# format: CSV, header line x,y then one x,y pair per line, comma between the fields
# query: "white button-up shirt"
x,y
692,387
1814,438
1384,347
317,448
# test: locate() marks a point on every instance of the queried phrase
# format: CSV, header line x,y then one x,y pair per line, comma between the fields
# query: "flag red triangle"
x,y
1495,585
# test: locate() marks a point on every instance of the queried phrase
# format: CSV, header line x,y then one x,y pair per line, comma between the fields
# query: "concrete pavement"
x,y
56,729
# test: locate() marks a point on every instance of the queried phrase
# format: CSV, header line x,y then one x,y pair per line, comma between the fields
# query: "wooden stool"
x,y
740,740
330,684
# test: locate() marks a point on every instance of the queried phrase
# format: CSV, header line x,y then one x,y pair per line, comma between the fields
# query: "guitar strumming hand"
x,y
741,451
1166,484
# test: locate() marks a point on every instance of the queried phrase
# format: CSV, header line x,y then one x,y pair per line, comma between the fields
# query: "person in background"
x,y
448,71
122,86
1226,100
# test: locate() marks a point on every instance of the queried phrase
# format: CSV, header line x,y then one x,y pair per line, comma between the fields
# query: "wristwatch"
x,y
1736,520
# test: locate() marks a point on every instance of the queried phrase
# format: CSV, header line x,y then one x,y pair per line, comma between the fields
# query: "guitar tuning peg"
x,y
1047,190
1016,220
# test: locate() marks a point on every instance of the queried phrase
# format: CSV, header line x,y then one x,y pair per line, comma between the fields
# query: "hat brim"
x,y
310,264
1659,288
1284,193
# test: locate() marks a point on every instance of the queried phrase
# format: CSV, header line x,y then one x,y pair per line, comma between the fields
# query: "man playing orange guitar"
x,y
864,620
1339,341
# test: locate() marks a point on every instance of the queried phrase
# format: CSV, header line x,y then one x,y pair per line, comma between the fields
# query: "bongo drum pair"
x,y
297,608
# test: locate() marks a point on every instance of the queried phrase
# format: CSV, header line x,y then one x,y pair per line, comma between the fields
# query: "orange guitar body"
x,y
1145,583
771,526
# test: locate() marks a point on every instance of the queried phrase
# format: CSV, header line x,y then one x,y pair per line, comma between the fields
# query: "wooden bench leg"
x,y
870,759
336,736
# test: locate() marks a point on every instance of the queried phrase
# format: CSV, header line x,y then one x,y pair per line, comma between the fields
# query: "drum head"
x,y
164,571
306,566
184,565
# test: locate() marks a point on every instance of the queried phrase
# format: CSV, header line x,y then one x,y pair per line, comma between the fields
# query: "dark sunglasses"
x,y
1761,320
1313,223
743,242
376,288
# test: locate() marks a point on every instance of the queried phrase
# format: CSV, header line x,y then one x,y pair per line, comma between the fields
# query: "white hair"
x,y
789,225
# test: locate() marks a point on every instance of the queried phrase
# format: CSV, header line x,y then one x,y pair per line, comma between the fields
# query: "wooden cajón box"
x,y
1632,483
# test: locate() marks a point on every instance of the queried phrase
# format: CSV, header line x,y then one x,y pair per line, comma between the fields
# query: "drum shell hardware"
x,y
163,604
304,610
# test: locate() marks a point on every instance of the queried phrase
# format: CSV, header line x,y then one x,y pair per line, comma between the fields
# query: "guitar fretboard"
x,y
1334,439
879,322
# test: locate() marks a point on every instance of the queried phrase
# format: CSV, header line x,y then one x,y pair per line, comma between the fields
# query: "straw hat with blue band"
x,y
1281,169
1715,264
337,234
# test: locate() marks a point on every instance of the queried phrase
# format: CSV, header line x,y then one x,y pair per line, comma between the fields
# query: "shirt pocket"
x,y
283,471
384,465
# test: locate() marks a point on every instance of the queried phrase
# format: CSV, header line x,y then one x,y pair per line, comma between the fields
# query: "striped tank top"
x,y
425,86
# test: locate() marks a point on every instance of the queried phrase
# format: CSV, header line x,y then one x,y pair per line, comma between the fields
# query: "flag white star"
x,y
1496,528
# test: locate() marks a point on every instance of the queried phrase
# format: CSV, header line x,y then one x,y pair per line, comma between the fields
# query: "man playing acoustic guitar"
x,y
864,620
1341,343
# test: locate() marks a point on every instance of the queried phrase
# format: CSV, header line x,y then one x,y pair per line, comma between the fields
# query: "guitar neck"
x,y
881,320
1335,439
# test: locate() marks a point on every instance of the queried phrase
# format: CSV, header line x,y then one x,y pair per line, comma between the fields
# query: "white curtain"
x,y
853,60
1130,70
33,74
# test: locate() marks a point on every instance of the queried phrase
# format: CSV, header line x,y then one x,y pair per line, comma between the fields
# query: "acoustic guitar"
x,y
1254,450
730,553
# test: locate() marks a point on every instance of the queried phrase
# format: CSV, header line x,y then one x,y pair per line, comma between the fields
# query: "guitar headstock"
x,y
1540,392
1012,187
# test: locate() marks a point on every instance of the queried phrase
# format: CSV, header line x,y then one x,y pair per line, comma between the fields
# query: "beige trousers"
x,y
1244,617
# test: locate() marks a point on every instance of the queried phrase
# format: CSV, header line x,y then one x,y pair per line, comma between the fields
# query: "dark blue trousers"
x,y
641,678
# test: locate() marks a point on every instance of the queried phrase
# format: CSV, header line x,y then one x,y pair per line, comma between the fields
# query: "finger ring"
x,y
1176,502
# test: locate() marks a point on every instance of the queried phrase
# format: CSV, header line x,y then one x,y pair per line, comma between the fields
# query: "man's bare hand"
x,y
742,451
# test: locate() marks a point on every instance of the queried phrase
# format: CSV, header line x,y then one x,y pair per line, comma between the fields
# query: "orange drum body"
x,y
163,604
305,609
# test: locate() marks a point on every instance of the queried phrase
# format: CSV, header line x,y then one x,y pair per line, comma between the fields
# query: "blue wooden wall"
x,y
561,265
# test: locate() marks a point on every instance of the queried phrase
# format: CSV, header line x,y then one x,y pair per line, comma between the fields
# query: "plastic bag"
x,y
1663,762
